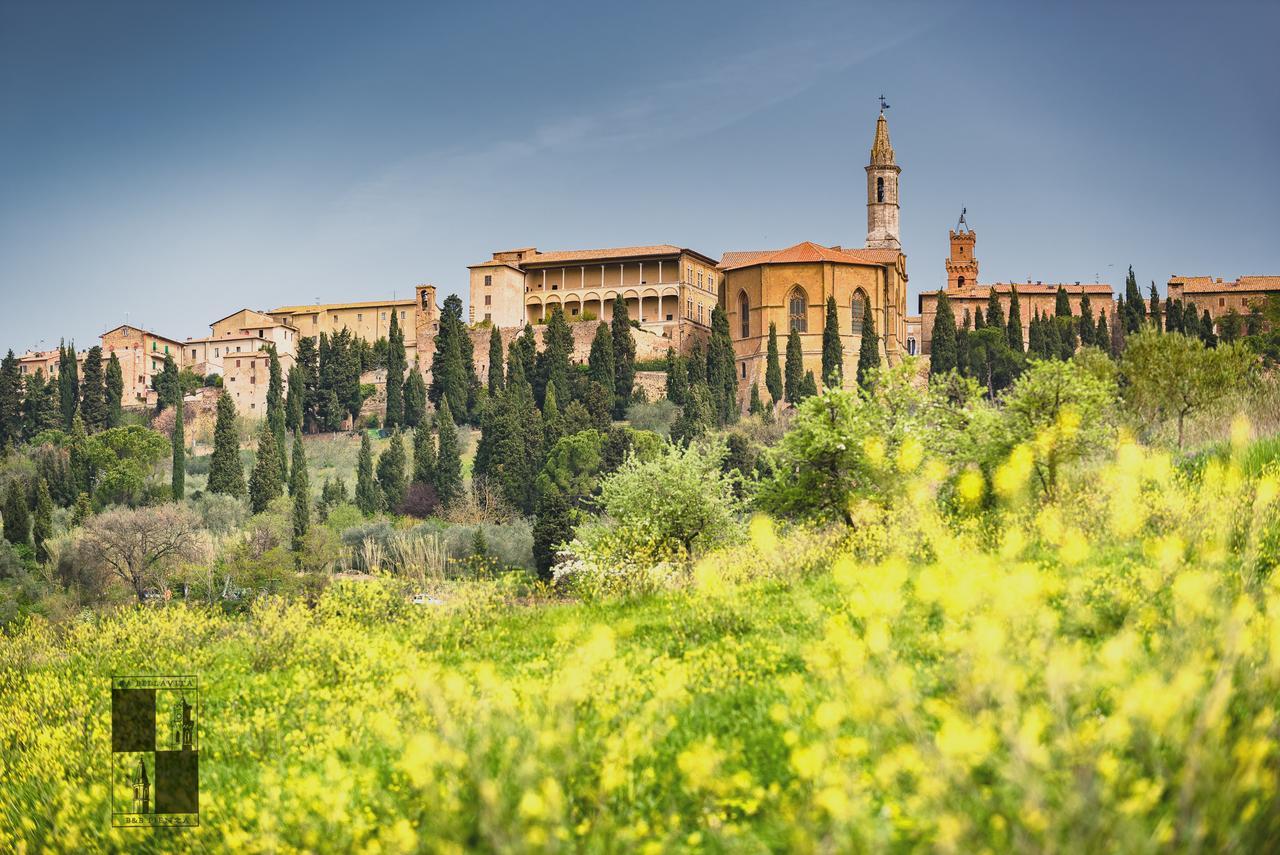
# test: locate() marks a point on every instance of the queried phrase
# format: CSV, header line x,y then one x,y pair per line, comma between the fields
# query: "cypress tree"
x,y
1173,316
1061,303
1052,337
833,347
167,386
226,475
293,399
552,525
1118,331
600,364
552,421
671,375
722,378
275,409
773,369
495,363
1253,321
1102,333
93,392
553,361
869,353
308,362
1154,313
979,321
1135,312
1206,330
677,379
367,498
391,474
415,397
757,406
624,357
995,312
1088,332
178,442
795,368
17,519
265,483
10,402
942,357
114,387
82,475
42,522
518,439
300,488
448,457
424,455
68,383
395,375
82,510
808,386
1014,327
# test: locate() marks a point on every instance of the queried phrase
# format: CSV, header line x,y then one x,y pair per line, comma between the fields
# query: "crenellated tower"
x,y
882,191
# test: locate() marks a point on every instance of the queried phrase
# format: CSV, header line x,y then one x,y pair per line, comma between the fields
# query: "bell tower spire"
x,y
882,189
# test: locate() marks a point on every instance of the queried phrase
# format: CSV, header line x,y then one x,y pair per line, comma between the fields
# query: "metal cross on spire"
x,y
884,105
962,225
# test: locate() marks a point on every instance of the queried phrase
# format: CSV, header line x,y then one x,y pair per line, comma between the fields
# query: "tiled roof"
x,y
808,251
144,332
493,262
325,307
1029,288
1209,285
601,254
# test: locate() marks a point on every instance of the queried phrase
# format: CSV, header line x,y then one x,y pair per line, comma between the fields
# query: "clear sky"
x,y
173,162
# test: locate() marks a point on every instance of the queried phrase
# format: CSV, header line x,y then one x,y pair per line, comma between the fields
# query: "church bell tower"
x,y
882,190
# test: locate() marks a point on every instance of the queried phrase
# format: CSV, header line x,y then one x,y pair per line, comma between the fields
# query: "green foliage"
x,y
496,370
658,416
392,479
265,483
1176,376
624,356
1088,330
93,392
869,350
178,447
226,474
553,361
677,378
833,346
722,377
10,402
695,416
415,397
671,508
368,499
168,388
773,369
114,390
396,364
42,521
1014,328
990,360
276,417
943,354
448,456
300,489
995,312
1135,312
17,519
600,362
68,383
756,406
794,385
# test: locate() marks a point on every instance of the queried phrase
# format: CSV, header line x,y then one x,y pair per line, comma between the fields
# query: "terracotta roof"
x,y
324,307
808,251
601,254
1209,285
1028,288
144,332
494,263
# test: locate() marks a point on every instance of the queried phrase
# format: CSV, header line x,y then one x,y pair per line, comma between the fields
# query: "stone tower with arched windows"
x,y
882,192
962,266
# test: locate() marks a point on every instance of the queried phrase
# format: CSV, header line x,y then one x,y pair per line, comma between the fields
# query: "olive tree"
x,y
141,546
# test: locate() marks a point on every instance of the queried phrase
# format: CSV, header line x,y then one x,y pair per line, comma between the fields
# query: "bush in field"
x,y
657,416
141,547
668,508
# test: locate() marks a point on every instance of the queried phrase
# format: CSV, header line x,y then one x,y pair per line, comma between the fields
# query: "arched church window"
x,y
960,282
879,189
744,314
859,310
796,305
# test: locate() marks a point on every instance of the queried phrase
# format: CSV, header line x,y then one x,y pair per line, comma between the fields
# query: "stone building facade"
x,y
967,296
367,319
141,354
670,290
1220,298
789,288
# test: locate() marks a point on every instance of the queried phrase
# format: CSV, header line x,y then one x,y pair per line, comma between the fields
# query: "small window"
x,y
744,315
960,282
488,280
359,317
669,316
699,313
688,309
1222,301
488,316
859,311
488,299
555,286
260,333
402,315
237,363
744,371
574,311
879,189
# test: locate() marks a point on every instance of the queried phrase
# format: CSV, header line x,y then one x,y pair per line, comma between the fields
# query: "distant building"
x,y
237,349
912,323
368,319
967,296
47,362
1220,298
789,288
669,290
141,354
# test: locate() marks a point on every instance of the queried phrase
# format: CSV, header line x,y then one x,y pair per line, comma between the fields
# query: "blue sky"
x,y
173,162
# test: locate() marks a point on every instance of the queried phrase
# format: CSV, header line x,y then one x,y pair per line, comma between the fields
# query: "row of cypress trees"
x,y
31,404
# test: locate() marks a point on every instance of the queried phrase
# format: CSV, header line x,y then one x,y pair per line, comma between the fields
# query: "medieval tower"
x,y
882,191
962,265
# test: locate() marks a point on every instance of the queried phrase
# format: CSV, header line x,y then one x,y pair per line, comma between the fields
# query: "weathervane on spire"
x,y
884,105
962,225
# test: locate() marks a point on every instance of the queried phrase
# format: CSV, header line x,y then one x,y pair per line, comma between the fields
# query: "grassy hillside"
x,y
1102,674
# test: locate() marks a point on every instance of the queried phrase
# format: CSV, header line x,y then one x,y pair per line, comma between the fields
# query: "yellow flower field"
x,y
1098,674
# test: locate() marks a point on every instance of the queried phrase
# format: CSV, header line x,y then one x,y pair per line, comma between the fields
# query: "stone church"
x,y
789,288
